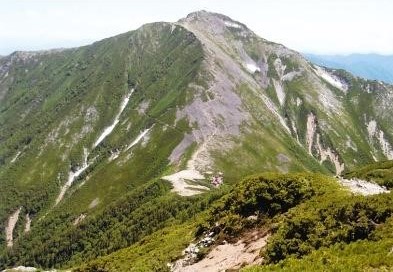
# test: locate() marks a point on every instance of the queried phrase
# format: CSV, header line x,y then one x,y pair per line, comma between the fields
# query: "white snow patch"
x,y
79,219
9,228
28,223
138,138
332,79
94,203
128,126
183,188
252,67
73,175
16,157
173,27
363,187
22,268
298,101
145,139
232,24
109,129
279,91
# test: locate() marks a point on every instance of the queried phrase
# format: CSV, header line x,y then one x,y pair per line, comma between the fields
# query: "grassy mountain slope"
x,y
315,226
282,92
67,121
87,133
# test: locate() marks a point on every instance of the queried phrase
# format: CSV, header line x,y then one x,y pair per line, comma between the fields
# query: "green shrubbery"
x,y
121,224
364,255
316,224
305,213
264,195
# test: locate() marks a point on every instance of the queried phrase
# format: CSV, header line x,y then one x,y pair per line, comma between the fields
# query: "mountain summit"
x,y
104,144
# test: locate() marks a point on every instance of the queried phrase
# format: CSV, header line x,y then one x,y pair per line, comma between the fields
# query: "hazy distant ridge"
x,y
370,66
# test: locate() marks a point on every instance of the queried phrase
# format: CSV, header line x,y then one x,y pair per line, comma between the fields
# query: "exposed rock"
x,y
179,150
143,107
184,188
311,129
329,154
28,223
9,228
138,138
280,68
279,91
331,79
94,203
363,187
375,133
291,75
225,256
79,219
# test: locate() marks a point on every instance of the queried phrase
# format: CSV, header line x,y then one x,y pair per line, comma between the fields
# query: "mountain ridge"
x,y
370,66
97,142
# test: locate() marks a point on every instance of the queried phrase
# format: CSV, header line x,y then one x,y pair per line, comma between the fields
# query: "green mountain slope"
x,y
104,145
312,225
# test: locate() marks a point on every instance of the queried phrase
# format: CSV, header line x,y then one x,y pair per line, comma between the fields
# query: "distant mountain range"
x,y
370,66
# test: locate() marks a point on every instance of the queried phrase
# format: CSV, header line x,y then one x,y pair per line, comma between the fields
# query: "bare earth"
x,y
9,229
180,185
363,187
228,256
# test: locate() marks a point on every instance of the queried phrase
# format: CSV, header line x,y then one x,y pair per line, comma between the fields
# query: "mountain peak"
x,y
212,20
95,139
205,14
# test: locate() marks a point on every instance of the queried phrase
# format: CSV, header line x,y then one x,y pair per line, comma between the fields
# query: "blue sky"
x,y
314,26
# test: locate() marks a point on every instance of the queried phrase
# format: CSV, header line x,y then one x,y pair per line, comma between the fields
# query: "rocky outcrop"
x,y
222,257
363,187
